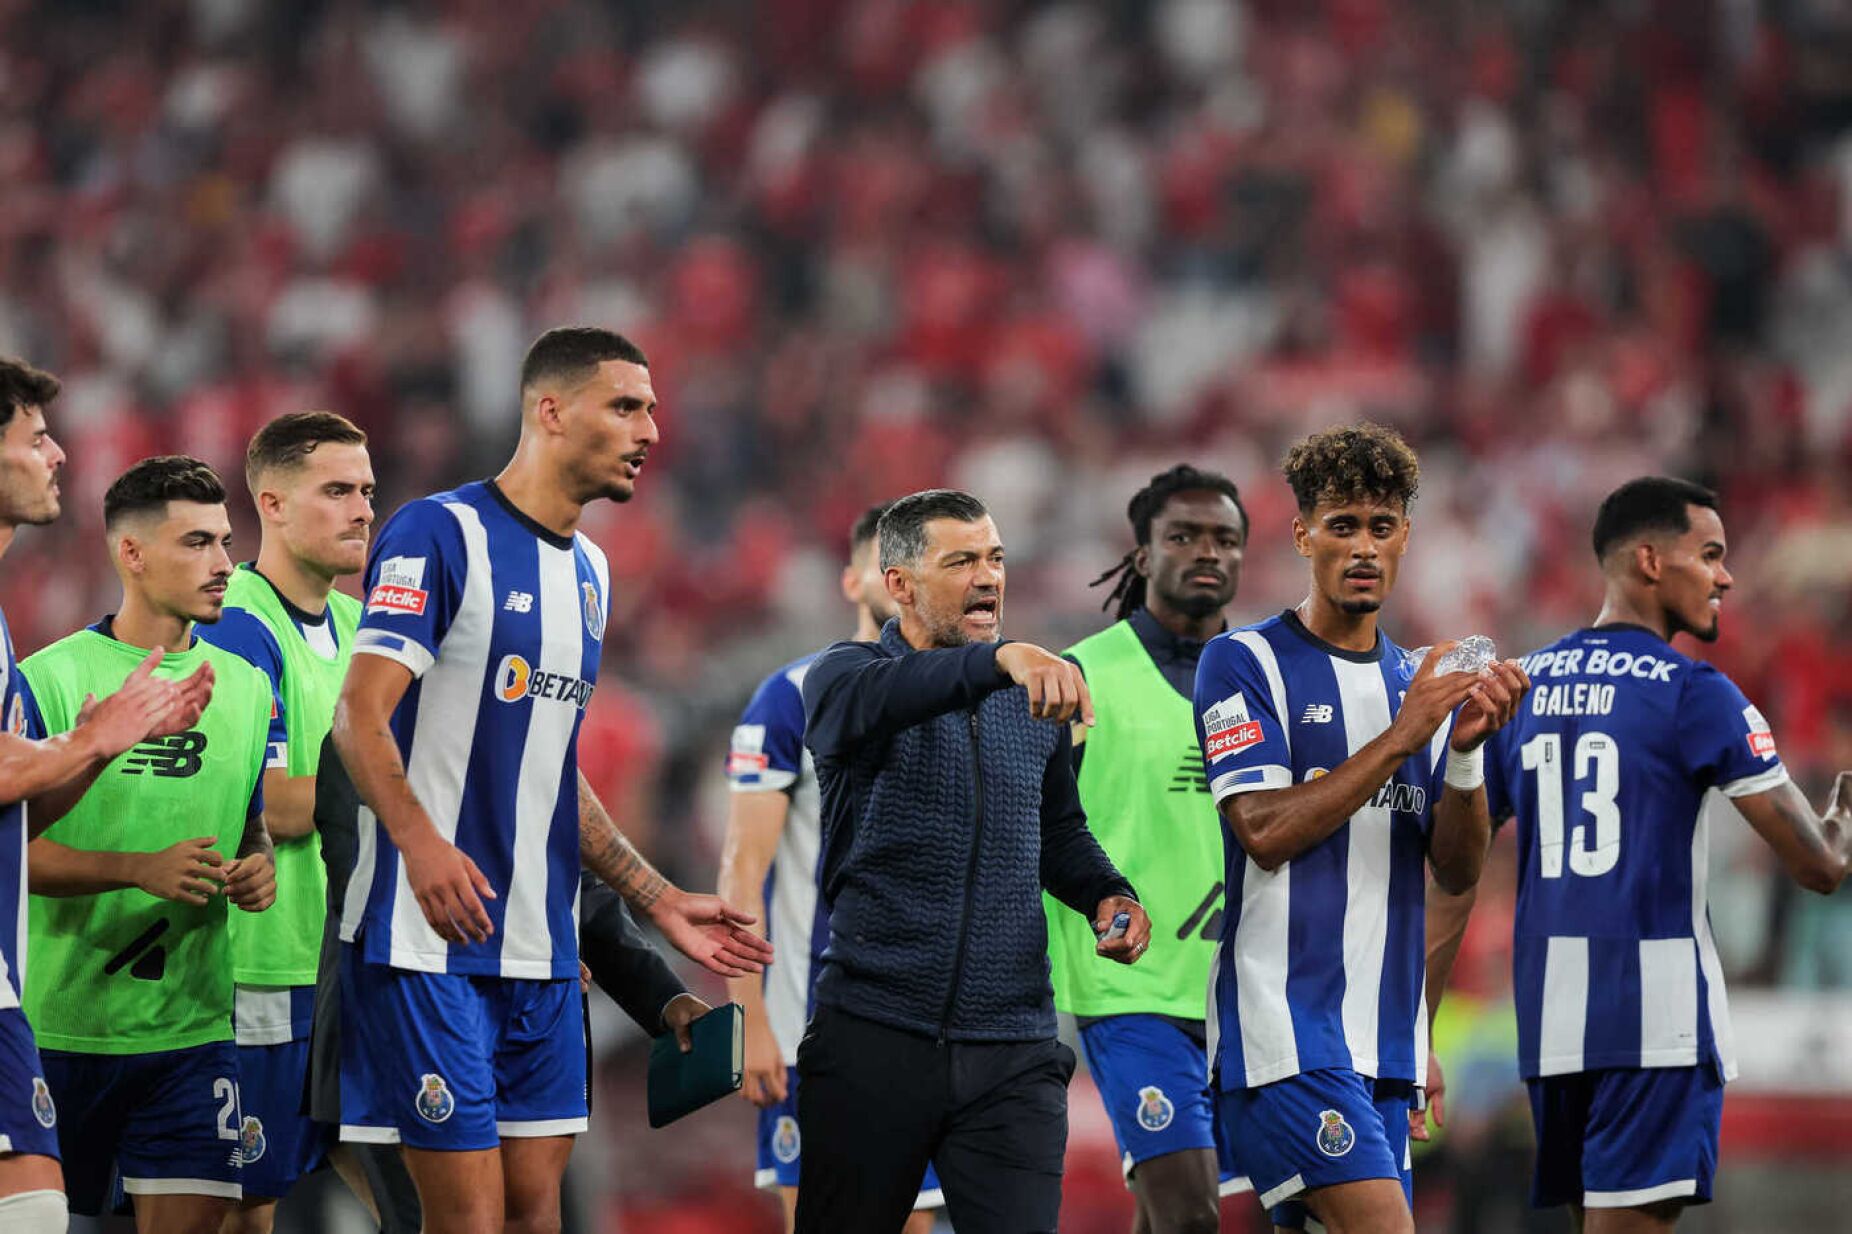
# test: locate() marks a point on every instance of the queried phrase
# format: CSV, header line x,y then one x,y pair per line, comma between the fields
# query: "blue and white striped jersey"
x,y
500,622
1613,769
1321,963
768,754
20,720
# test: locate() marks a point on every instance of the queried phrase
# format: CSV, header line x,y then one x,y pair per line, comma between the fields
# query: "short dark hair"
x,y
22,386
1146,504
867,528
1356,461
152,483
572,353
1646,505
903,526
288,440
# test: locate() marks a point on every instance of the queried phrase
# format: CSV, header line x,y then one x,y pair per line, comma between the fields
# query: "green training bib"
x,y
282,945
124,972
1148,804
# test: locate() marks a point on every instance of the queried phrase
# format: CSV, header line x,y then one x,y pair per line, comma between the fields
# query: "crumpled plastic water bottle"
x,y
1472,654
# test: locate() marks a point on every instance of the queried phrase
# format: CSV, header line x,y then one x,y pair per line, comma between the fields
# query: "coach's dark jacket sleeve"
x,y
854,692
1075,869
622,961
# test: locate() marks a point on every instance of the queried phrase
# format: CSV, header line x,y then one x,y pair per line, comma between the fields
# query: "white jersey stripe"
x,y
1565,1005
1212,1021
1364,703
360,882
443,735
1269,1047
1276,685
1709,962
1668,1002
527,948
7,997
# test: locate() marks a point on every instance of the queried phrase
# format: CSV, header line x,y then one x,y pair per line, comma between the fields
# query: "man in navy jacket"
x,y
945,765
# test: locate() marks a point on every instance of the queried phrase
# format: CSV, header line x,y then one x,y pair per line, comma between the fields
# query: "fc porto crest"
x,y
594,612
1335,1136
42,1107
435,1104
785,1141
251,1141
1154,1109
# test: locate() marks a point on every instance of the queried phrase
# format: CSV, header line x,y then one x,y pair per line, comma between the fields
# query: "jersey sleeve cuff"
x,y
278,759
1749,786
762,781
1250,780
406,651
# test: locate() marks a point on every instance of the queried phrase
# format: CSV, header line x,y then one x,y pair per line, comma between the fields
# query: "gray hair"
x,y
902,529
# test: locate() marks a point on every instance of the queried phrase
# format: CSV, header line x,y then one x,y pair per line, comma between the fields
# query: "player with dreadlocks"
x,y
1142,784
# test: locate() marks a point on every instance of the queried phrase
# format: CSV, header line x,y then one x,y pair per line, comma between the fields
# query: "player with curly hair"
x,y
1339,771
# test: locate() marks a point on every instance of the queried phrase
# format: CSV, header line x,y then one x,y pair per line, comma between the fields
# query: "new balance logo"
x,y
177,756
1189,776
1317,713
519,602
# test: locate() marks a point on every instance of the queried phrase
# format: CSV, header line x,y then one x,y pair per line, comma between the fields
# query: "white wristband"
x,y
1465,772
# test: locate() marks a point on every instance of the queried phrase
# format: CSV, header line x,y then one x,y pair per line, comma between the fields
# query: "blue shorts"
x,y
166,1123
1318,1129
28,1114
1153,1080
451,1062
1626,1137
279,1142
781,1149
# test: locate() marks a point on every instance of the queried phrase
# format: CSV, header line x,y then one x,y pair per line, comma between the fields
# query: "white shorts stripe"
x,y
353,1133
1563,1032
183,1186
1364,700
533,1129
1645,1195
1285,1191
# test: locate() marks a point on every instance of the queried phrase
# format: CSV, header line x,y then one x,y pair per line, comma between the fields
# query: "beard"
x,y
1360,606
1197,605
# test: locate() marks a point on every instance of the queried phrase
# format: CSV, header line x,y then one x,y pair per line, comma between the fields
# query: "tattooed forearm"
x,y
606,853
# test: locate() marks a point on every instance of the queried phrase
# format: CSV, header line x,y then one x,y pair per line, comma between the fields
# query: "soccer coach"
x,y
945,766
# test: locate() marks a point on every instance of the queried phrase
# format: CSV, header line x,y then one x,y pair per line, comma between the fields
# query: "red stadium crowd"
x,y
1037,251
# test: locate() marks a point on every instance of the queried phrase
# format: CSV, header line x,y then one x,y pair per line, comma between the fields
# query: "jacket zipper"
x,y
964,921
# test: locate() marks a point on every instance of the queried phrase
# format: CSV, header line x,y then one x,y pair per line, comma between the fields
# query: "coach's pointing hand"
x,y
449,887
1057,688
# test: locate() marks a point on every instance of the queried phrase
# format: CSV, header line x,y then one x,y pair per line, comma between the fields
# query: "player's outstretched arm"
x,y
1462,821
1816,850
448,886
188,872
755,822
706,929
1276,825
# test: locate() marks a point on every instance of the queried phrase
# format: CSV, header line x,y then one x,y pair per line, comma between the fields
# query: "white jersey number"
x,y
1597,758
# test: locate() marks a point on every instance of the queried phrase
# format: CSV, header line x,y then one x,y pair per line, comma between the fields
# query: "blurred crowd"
x,y
1035,250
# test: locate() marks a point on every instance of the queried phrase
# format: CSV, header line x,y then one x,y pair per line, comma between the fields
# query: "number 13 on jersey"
x,y
1593,851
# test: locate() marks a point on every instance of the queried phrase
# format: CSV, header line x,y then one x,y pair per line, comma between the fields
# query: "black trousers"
x,y
875,1104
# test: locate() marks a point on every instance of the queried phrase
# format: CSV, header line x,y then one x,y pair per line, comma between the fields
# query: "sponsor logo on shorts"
x,y
1154,1109
786,1143
43,1108
1335,1136
594,611
435,1104
251,1142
